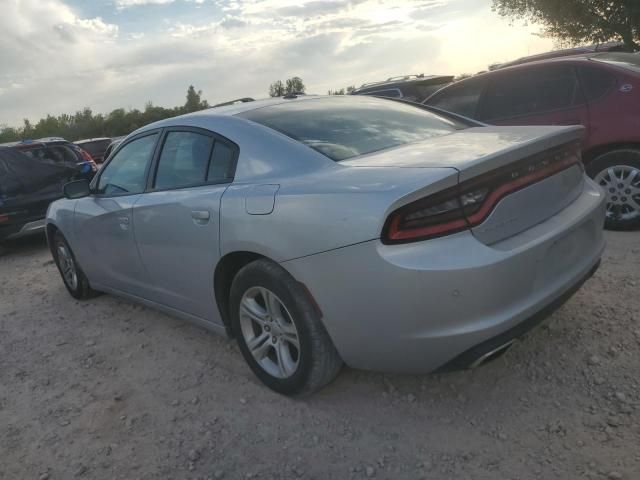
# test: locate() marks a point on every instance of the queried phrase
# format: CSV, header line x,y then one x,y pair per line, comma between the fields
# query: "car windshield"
x,y
629,61
345,127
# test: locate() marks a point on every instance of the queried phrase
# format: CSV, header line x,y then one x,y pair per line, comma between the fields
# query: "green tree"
x,y
295,85
276,89
577,21
86,124
291,85
194,100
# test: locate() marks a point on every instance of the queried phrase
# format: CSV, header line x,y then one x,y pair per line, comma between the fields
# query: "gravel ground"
x,y
106,389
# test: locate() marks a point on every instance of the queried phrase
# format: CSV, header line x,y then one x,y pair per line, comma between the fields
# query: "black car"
x,y
414,88
96,147
32,175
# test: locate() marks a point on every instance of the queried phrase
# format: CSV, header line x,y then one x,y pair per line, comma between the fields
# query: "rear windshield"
x,y
345,127
630,61
95,148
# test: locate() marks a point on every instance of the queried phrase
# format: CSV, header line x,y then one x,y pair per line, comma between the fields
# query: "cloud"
x,y
56,60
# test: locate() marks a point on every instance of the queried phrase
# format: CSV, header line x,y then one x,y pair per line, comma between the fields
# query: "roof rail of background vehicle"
x,y
234,102
599,47
401,78
96,139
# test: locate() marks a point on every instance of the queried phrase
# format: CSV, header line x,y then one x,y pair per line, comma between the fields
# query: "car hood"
x,y
472,151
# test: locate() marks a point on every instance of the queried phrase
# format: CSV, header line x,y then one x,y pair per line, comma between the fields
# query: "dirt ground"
x,y
108,390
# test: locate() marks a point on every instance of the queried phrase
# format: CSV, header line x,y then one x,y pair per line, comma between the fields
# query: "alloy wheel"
x,y
622,186
67,266
269,332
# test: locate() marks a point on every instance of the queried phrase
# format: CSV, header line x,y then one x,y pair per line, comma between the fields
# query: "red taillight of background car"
x,y
88,158
4,218
470,203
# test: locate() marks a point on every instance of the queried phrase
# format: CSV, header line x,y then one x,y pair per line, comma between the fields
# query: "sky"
x,y
59,56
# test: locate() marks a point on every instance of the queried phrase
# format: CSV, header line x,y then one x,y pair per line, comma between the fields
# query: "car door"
x,y
536,95
177,220
104,223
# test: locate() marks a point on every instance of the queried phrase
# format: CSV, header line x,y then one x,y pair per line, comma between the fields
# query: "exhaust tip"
x,y
492,354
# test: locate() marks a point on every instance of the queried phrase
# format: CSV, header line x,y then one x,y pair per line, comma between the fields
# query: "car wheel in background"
x,y
279,330
618,173
73,277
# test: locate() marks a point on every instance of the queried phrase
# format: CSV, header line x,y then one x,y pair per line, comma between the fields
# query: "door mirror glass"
x,y
76,189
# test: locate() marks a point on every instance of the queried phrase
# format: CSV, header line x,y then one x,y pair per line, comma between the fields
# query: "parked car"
x,y
112,146
28,184
56,150
319,230
96,147
599,91
414,88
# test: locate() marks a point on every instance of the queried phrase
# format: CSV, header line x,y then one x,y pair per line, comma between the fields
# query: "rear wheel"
x,y
279,330
72,275
618,173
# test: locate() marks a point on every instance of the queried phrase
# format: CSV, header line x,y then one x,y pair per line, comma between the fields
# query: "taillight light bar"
x,y
470,203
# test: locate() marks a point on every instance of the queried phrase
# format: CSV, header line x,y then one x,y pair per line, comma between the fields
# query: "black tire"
x,y
81,290
318,361
618,217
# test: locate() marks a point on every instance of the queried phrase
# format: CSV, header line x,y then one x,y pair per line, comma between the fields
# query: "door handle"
x,y
200,215
123,220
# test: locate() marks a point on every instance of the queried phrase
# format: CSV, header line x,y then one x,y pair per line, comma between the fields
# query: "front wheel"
x,y
618,173
279,330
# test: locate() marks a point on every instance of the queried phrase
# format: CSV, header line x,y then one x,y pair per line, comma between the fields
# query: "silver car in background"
x,y
323,230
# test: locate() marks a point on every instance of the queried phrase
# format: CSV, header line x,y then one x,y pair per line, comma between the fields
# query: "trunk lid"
x,y
509,179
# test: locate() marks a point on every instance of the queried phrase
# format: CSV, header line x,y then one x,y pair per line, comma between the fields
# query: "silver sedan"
x,y
319,231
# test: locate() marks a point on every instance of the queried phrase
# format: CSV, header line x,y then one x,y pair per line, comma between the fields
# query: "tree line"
x,y
86,124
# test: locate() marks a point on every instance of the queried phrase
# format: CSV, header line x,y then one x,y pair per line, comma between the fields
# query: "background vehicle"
x,y
96,147
28,185
318,230
414,88
599,91
57,151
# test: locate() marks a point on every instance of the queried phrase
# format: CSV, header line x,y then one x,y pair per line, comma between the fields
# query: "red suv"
x,y
600,91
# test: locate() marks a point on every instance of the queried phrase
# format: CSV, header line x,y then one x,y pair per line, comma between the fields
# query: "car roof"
x,y
580,58
34,143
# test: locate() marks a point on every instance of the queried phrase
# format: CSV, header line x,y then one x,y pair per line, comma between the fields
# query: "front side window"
x,y
530,91
461,98
184,160
126,172
343,127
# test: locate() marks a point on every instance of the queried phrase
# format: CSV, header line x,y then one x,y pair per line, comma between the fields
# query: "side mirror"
x,y
76,189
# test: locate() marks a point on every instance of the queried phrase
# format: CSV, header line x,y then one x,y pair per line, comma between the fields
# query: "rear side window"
x,y
184,160
222,165
343,127
595,82
126,172
461,98
530,91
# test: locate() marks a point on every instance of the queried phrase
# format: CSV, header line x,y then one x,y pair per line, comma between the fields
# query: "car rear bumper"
x,y
417,307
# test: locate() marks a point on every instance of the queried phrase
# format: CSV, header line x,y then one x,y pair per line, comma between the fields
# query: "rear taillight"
x,y
4,218
470,203
88,158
